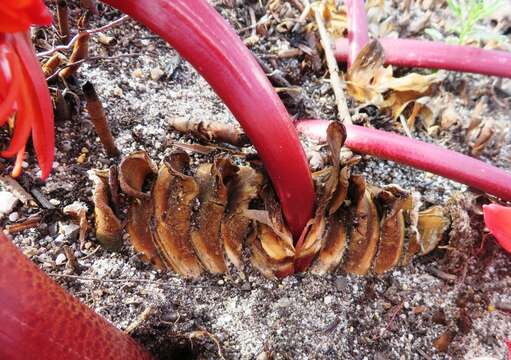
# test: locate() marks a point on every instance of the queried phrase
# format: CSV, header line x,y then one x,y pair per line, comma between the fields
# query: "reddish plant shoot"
x,y
358,33
205,39
437,55
418,154
498,220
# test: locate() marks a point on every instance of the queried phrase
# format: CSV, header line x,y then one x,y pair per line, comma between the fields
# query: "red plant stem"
x,y
418,154
437,55
358,33
204,39
41,320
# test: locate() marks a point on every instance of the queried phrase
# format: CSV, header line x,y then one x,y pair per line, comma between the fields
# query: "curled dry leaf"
x,y
393,201
336,18
78,212
210,131
173,194
235,226
311,242
108,226
272,248
213,180
369,81
365,232
134,170
433,222
480,136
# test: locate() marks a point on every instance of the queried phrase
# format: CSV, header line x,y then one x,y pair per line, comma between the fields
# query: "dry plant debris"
x,y
191,219
370,82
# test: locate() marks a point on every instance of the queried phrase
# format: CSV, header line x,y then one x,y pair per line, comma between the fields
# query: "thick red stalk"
x,y
358,33
204,39
418,154
437,55
41,320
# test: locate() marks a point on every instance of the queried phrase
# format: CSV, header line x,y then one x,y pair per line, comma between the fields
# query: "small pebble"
x,y
61,259
137,73
55,202
328,299
14,216
156,73
7,202
221,282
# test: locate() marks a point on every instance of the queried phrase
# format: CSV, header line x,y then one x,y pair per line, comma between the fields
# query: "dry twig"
x,y
333,69
70,44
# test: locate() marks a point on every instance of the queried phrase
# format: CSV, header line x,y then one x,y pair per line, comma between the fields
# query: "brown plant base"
x,y
195,219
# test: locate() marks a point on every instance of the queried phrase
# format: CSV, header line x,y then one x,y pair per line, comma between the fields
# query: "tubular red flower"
x,y
437,55
18,15
358,34
28,97
203,38
498,219
418,154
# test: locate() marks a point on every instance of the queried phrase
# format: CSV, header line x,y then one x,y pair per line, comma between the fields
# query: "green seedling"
x,y
467,25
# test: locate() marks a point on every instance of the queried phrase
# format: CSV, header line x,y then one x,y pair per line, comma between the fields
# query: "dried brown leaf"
x,y
108,226
235,225
310,244
173,194
369,81
393,200
78,212
134,171
332,252
210,131
213,180
365,233
432,224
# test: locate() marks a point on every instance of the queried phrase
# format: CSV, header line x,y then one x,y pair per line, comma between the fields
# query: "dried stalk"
x,y
80,52
70,44
63,20
333,69
98,118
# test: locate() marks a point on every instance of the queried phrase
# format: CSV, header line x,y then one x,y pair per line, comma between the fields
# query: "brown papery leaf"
x,y
310,244
432,224
260,259
108,226
369,81
365,233
213,180
210,131
336,20
272,249
392,231
78,211
235,225
332,252
173,194
134,171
